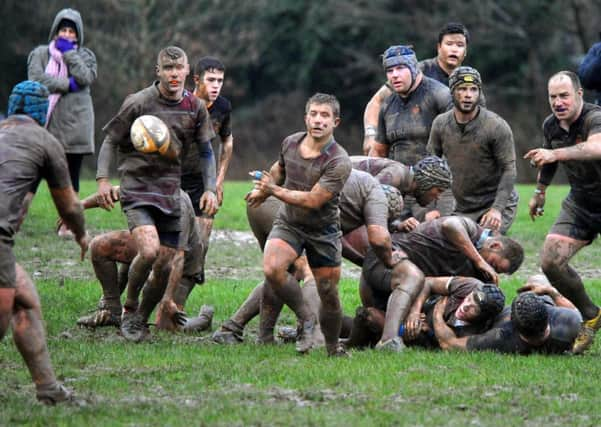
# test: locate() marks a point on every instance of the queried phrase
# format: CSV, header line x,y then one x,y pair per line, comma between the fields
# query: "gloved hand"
x,y
64,45
73,86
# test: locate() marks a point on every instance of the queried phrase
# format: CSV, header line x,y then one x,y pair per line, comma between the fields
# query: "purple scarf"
x,y
56,68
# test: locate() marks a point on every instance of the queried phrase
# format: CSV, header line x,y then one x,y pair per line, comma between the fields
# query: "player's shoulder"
x,y
444,118
435,85
222,104
549,124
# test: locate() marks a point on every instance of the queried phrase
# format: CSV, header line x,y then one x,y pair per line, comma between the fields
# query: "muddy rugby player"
x,y
29,154
150,182
112,253
208,75
478,144
471,309
540,320
365,211
573,138
442,247
424,182
312,169
406,116
453,40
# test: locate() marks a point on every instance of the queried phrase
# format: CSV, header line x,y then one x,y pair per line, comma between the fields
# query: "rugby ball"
x,y
149,134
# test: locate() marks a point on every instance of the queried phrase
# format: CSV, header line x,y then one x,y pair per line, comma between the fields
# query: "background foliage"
x,y
279,52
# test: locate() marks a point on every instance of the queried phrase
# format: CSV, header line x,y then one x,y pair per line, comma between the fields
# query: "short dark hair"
x,y
207,63
512,250
529,315
570,75
171,52
454,28
324,98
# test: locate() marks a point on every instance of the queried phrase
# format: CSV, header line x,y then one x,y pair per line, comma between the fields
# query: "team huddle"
x,y
424,212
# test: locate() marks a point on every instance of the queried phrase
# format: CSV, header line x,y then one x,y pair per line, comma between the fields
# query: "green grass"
x,y
185,380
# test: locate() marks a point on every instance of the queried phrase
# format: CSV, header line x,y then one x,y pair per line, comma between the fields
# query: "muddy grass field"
x,y
187,380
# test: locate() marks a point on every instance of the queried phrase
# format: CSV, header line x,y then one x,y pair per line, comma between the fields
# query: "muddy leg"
x,y
556,254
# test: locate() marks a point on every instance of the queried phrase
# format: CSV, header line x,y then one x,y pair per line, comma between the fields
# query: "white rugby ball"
x,y
149,134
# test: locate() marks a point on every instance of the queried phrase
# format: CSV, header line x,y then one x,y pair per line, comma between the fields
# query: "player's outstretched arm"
x,y
70,210
444,334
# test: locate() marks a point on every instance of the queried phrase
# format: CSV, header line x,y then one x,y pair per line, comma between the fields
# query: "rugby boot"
x,y
133,326
51,394
361,335
587,334
229,333
287,334
304,341
395,345
99,318
337,350
202,322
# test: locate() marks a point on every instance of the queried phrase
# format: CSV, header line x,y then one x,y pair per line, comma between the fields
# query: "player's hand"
x,y
107,195
408,225
255,198
83,242
170,317
536,205
397,256
208,203
538,288
540,156
368,142
438,312
432,215
219,192
413,326
492,219
265,183
488,272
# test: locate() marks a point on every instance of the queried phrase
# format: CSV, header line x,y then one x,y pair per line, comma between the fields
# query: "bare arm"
x,y
227,148
24,208
378,150
587,150
454,230
313,199
106,156
278,173
537,202
71,211
170,315
91,201
270,184
370,117
444,334
432,285
379,240
548,289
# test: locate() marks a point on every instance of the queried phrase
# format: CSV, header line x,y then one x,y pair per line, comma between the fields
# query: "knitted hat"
x,y
31,98
400,55
464,74
430,172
